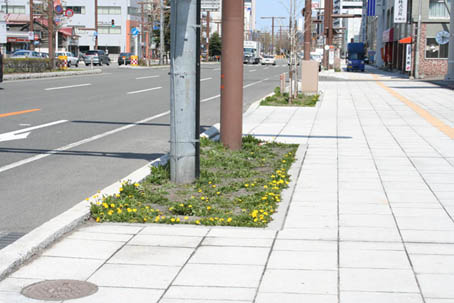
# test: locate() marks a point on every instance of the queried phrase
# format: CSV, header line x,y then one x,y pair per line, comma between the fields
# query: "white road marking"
x,y
245,86
69,86
217,69
206,79
147,77
254,83
23,133
57,78
252,70
24,124
144,90
72,145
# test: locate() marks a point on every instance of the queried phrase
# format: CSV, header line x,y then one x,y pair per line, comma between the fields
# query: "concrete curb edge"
x,y
13,77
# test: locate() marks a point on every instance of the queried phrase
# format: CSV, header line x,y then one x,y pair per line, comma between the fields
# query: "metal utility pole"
x,y
450,75
418,41
272,30
161,32
31,28
50,33
96,25
290,73
232,73
328,25
307,29
142,28
183,90
208,35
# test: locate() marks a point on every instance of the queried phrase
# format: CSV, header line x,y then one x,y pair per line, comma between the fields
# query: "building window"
x,y
134,11
78,10
438,9
109,10
13,9
435,50
108,30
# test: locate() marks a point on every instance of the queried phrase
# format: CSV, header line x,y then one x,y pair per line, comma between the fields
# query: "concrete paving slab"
x,y
392,259
377,280
134,276
316,260
377,297
151,255
121,295
83,249
168,241
240,242
216,275
50,268
437,285
299,281
210,293
433,264
292,298
230,255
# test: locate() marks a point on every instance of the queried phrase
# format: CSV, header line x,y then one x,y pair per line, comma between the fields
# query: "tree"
x,y
166,29
215,45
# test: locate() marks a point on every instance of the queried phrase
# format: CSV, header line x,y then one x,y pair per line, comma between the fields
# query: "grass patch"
x,y
282,99
236,188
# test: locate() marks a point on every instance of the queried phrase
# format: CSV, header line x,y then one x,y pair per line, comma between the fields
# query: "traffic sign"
x,y
69,13
59,9
135,31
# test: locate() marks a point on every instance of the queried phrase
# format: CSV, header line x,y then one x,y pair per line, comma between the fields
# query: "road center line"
x,y
147,77
72,145
19,113
69,86
24,130
144,90
206,79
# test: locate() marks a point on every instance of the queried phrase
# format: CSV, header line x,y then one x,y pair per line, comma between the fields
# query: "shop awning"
x,y
405,40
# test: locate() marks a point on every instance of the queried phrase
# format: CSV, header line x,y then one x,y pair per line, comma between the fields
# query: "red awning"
x,y
405,40
67,31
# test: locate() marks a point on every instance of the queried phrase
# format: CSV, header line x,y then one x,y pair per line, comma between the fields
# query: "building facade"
x,y
429,59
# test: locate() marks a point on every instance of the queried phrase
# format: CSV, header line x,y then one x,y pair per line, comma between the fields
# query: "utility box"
x,y
309,77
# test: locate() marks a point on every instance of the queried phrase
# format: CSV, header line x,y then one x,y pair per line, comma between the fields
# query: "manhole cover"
x,y
57,290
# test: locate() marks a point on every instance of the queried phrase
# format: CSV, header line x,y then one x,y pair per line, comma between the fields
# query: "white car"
x,y
268,60
72,60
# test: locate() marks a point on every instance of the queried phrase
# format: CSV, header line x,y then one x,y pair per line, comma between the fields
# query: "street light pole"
x,y
232,73
50,30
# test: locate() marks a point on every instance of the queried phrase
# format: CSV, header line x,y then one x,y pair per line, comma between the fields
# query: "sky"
x,y
269,8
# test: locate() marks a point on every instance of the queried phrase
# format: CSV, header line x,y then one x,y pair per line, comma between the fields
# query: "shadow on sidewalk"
x,y
303,136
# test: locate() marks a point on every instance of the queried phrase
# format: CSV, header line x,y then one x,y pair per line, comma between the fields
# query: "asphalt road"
x,y
87,132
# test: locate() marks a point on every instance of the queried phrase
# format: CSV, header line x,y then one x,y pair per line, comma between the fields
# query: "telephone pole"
x,y
450,75
96,25
50,30
272,30
307,29
232,74
183,90
31,28
161,32
208,35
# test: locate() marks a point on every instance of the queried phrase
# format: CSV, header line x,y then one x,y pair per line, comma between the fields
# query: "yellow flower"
x,y
157,219
202,198
283,161
129,210
246,185
105,205
265,186
214,185
209,182
200,190
117,195
178,220
121,189
211,219
134,210
144,219
186,218
218,193
173,219
197,222
98,219
229,220
112,205
136,184
255,220
181,204
190,206
119,211
110,212
208,207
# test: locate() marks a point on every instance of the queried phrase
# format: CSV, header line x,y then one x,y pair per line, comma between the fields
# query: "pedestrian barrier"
x,y
64,60
134,60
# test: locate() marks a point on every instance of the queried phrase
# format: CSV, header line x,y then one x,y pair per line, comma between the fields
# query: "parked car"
x,y
97,57
44,55
124,58
268,59
72,60
25,54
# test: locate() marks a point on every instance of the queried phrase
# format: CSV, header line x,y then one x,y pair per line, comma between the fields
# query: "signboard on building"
x,y
400,11
331,55
408,58
2,29
211,5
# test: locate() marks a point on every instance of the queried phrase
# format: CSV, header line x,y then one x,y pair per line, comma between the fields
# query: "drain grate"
x,y
8,238
57,290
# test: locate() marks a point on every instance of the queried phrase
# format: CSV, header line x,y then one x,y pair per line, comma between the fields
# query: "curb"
x,y
22,250
12,77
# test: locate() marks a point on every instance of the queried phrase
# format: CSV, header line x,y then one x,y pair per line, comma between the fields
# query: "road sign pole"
x,y
450,75
183,90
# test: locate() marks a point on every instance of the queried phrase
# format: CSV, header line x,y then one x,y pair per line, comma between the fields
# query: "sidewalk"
x,y
370,220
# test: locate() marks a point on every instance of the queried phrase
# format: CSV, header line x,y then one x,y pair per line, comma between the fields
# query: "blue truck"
x,y
356,54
